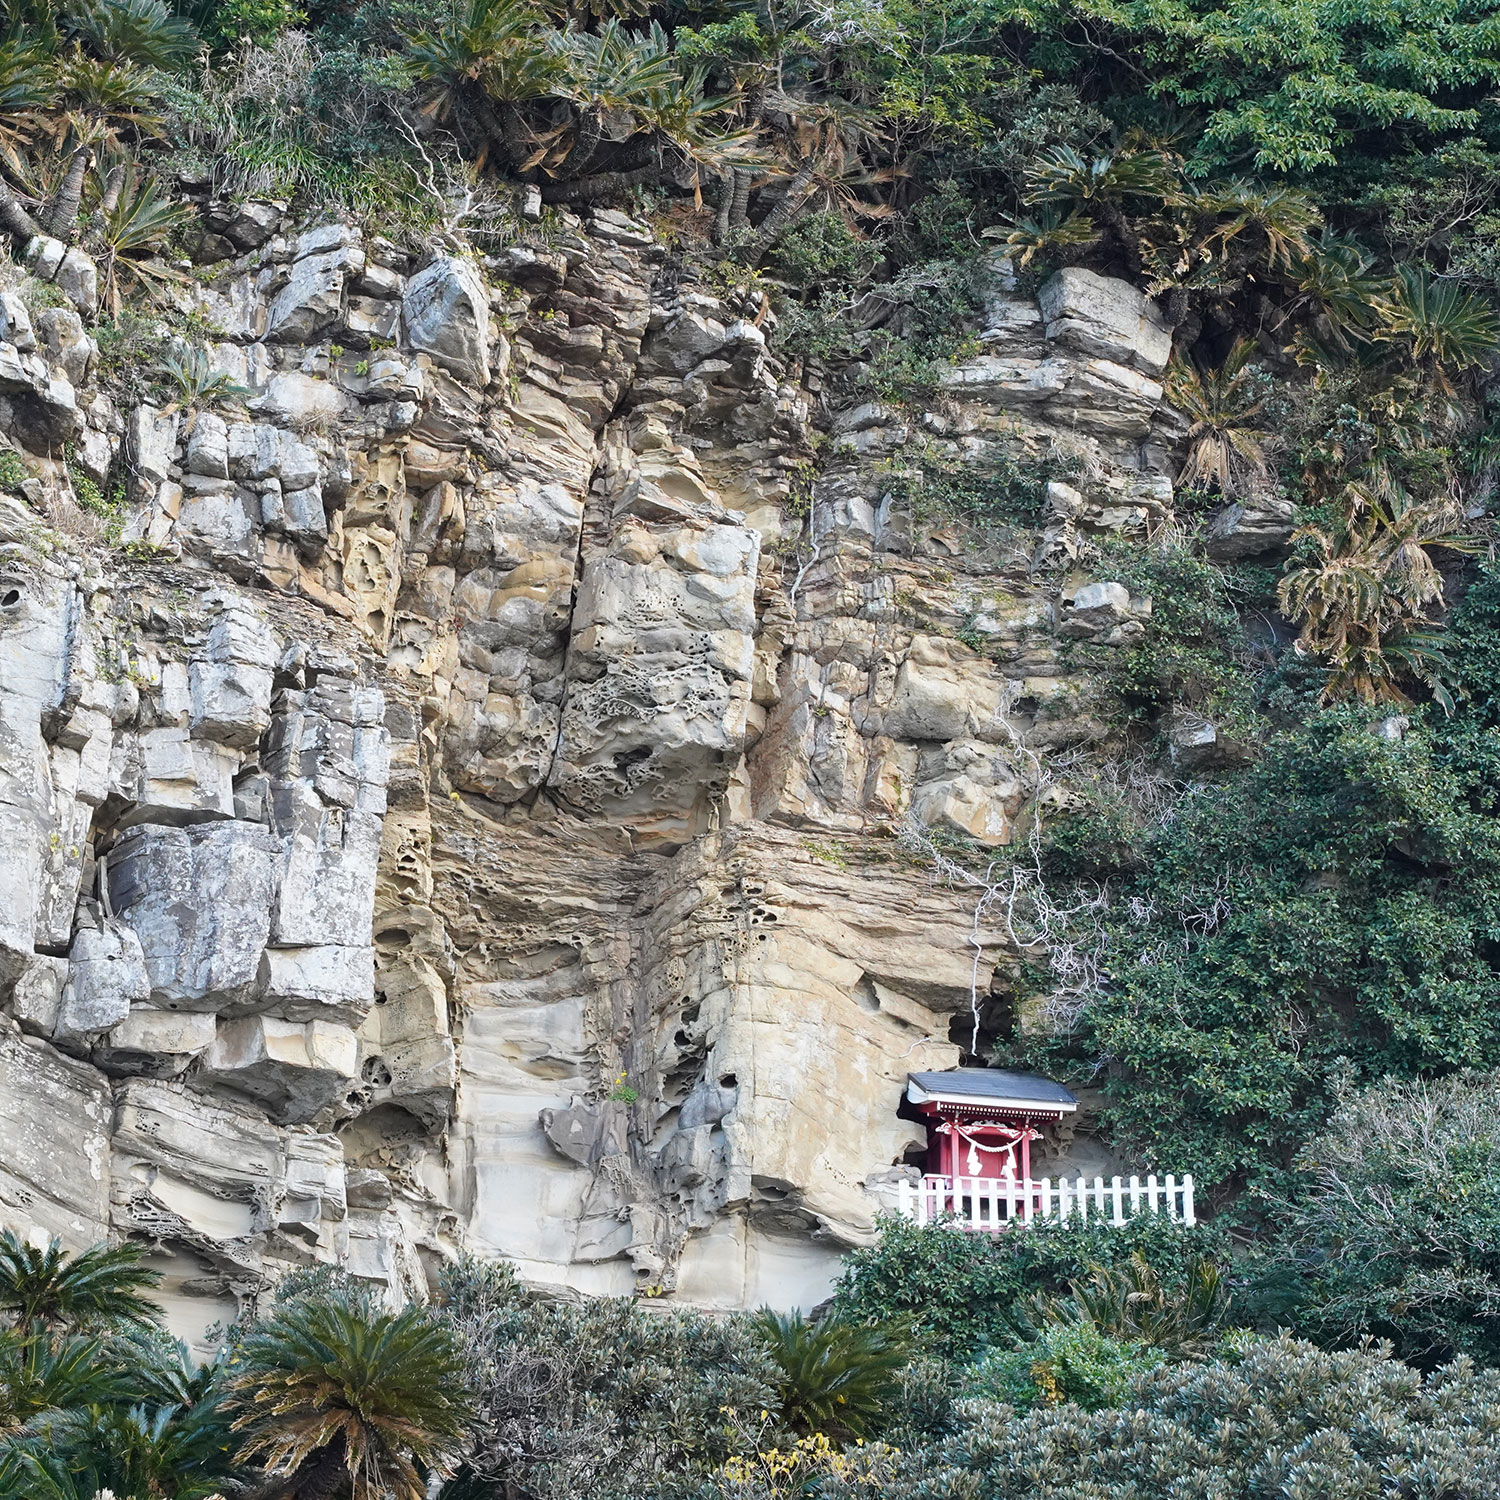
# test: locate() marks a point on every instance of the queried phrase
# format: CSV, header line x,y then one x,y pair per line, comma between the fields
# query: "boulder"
x,y
208,446
67,347
247,225
199,902
155,1043
38,993
77,279
15,322
447,315
295,1069
312,301
1104,612
151,443
106,973
1250,527
231,686
1105,318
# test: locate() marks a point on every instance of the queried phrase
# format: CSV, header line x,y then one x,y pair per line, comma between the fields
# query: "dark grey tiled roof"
x,y
992,1083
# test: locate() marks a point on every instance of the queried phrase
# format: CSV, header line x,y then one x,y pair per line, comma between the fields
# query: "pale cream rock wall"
x,y
471,826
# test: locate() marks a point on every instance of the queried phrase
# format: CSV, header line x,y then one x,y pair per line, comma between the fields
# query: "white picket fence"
x,y
989,1204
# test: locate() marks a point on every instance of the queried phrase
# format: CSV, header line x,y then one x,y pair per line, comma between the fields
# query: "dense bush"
x,y
1276,1417
1392,1223
603,1397
962,1290
1064,1362
1328,909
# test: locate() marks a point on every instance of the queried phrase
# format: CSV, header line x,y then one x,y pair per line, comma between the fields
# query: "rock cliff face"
x,y
457,808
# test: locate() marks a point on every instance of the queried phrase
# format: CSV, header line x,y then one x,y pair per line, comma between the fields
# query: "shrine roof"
x,y
991,1086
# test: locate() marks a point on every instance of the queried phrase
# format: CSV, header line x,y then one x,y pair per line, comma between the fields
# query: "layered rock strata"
x,y
457,808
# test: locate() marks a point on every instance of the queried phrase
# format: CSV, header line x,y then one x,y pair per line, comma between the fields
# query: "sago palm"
x,y
40,1374
1101,186
143,32
1445,328
1225,442
1364,590
146,1452
1049,232
835,1374
486,60
27,78
136,226
56,1289
1269,225
1337,284
1131,1302
334,1397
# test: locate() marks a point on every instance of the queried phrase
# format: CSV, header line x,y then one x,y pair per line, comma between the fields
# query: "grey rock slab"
x,y
199,899
294,1069
208,446
15,322
1105,318
55,1118
78,279
446,314
106,973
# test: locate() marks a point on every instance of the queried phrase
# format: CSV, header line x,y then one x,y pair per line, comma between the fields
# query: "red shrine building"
x,y
981,1123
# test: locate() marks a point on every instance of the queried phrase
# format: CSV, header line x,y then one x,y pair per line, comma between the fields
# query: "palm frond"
x,y
94,1287
836,1373
383,1393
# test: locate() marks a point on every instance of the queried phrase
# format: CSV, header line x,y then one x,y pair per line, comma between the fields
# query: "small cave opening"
x,y
728,1081
376,1072
998,1018
10,598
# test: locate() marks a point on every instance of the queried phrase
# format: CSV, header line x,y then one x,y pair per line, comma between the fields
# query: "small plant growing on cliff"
x,y
196,384
623,1092
12,470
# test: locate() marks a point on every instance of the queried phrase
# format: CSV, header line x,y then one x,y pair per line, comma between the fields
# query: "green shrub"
x,y
1193,652
12,469
1064,1362
601,1398
1393,1225
822,248
1273,1418
961,1290
258,21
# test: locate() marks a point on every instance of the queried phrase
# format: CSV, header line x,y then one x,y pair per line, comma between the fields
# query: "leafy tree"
x,y
1294,86
1328,909
1391,1224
